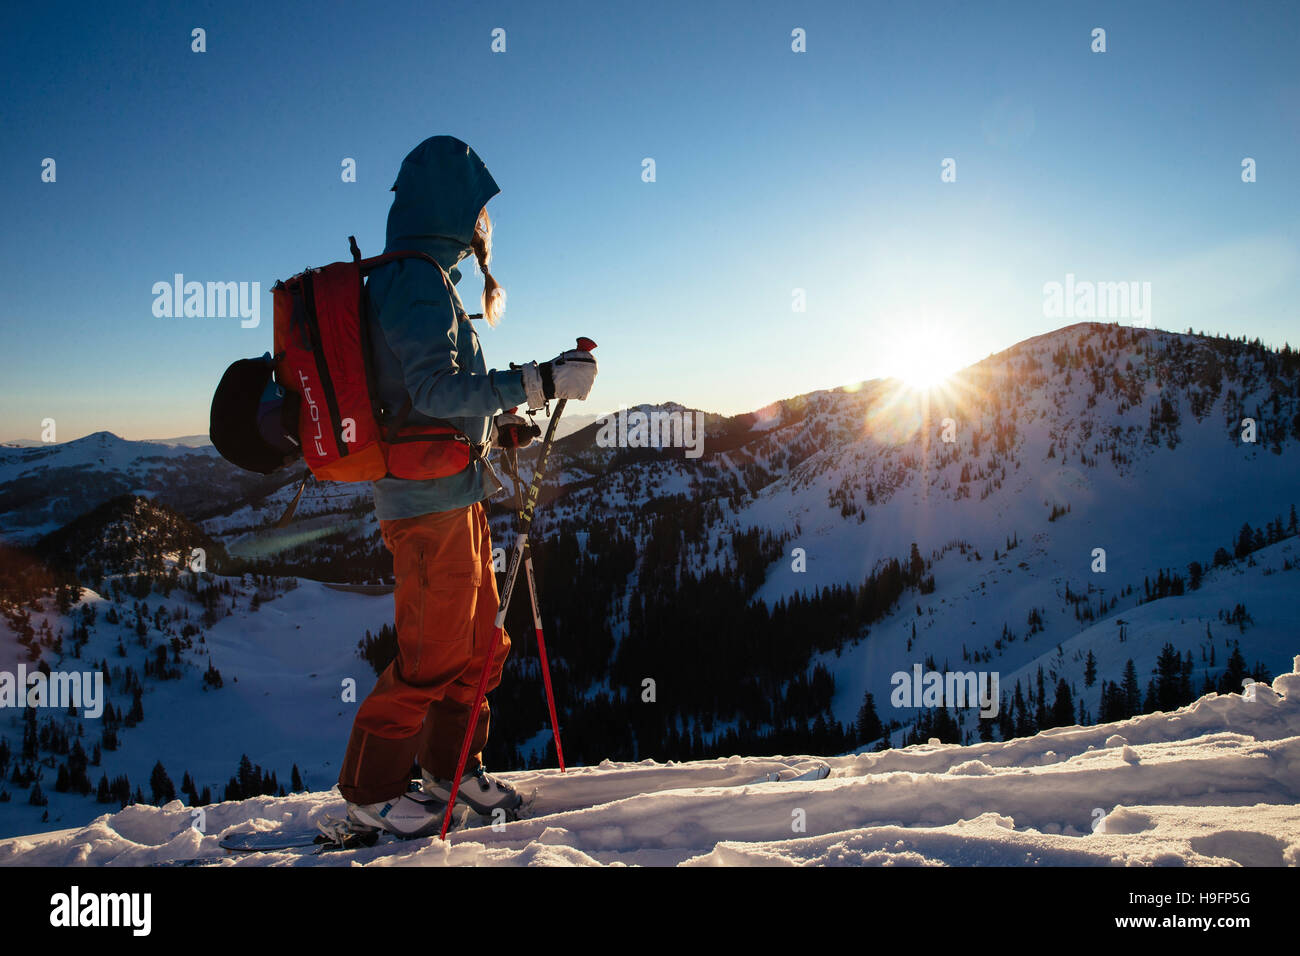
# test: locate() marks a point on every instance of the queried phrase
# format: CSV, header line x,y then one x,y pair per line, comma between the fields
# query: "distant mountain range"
x,y
43,487
188,441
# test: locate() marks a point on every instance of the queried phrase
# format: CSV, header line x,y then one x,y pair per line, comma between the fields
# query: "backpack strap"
x,y
396,424
365,266
374,262
367,348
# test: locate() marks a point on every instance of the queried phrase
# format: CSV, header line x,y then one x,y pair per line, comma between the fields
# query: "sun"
x,y
922,357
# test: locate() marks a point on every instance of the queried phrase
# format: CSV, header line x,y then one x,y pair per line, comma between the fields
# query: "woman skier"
x,y
426,352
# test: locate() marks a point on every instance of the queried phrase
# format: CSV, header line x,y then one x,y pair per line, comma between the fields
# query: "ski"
x,y
330,834
333,834
314,840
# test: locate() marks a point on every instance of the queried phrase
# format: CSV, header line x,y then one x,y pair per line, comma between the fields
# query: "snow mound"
x,y
1215,783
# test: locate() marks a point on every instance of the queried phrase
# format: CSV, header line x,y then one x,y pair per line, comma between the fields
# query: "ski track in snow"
x,y
1214,783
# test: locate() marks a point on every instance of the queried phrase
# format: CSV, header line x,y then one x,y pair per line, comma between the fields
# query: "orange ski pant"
x,y
446,603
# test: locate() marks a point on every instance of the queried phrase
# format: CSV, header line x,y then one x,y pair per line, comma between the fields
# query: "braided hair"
x,y
494,297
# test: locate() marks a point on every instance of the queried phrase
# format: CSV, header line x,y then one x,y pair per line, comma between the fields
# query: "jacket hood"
x,y
439,191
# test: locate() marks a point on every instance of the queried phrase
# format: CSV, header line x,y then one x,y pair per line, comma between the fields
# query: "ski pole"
x,y
537,616
512,572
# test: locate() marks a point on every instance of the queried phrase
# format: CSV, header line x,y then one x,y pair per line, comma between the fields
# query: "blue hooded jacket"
x,y
424,344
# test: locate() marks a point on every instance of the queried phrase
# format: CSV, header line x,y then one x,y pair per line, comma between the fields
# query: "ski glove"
x,y
569,375
513,431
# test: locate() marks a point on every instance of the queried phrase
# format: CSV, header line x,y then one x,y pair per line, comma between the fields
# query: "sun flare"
x,y
923,358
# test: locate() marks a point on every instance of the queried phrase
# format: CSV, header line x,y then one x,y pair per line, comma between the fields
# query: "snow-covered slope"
x,y
1091,441
1214,783
976,598
44,486
283,656
100,451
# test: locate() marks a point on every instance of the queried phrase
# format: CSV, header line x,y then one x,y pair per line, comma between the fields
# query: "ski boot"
x,y
415,813
479,790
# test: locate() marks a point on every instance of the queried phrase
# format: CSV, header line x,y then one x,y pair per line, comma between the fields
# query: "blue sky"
x,y
775,171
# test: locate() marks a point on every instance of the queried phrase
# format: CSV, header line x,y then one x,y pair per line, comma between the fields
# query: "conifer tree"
x,y
1006,719
1234,673
1131,691
1024,721
868,724
248,781
1063,707
161,786
944,727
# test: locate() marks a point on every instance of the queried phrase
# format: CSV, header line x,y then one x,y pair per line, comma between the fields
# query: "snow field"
x,y
1215,783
